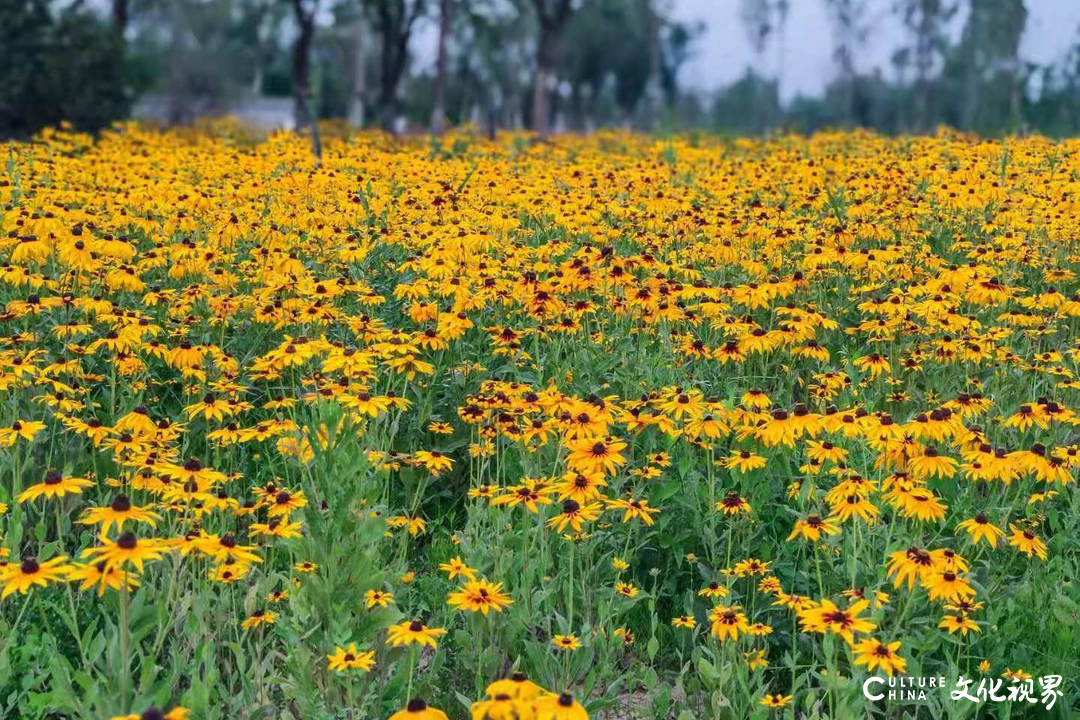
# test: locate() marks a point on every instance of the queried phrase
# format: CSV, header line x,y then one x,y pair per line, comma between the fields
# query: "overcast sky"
x,y
723,52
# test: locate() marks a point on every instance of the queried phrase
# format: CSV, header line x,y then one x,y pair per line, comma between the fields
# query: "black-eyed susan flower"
x,y
479,596
714,590
566,642
575,515
55,485
25,430
596,455
733,504
1027,542
417,709
413,632
948,585
727,622
154,713
559,707
775,700
378,598
455,567
349,658
874,655
501,705
980,529
959,624
119,512
743,461
634,509
128,548
827,617
259,617
21,576
813,527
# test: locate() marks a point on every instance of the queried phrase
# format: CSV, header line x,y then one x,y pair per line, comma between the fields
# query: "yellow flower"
x,y
979,528
417,709
20,577
127,548
153,713
103,576
54,485
814,527
875,654
351,659
119,512
727,622
560,707
479,596
778,700
574,515
517,686
456,566
20,429
827,617
596,455
958,623
413,632
259,617
634,509
566,642
1027,542
378,598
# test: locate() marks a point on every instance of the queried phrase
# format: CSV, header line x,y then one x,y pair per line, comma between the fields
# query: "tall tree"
x,y
121,16
304,108
990,53
783,7
394,21
60,64
304,17
757,18
260,23
926,21
552,17
357,82
438,91
850,30
490,76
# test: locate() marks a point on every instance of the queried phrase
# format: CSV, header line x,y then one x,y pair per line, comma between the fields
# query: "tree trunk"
x,y
261,31
395,43
923,64
969,103
121,12
302,74
359,73
847,101
387,87
438,94
303,113
546,62
1016,91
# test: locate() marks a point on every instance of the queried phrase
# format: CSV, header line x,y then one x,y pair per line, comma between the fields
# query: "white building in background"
x,y
268,113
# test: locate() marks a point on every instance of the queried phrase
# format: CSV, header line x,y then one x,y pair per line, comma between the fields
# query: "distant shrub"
x,y
58,65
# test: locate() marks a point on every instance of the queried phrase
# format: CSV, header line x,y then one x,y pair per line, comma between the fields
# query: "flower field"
x,y
604,427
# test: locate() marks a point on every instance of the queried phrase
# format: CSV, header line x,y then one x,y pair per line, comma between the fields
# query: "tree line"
x,y
541,64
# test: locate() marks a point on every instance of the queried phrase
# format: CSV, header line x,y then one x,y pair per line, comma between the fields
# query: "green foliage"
x,y
58,65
